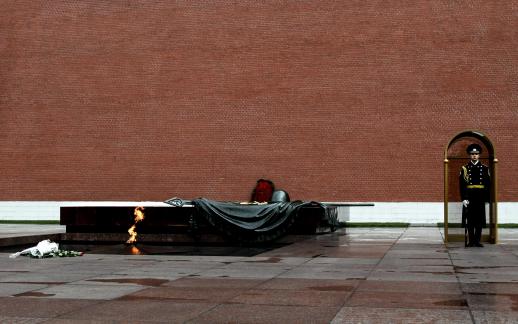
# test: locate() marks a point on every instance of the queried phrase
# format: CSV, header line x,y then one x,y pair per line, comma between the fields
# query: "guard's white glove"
x,y
465,203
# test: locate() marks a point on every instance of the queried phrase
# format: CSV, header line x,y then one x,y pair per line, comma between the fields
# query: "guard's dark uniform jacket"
x,y
474,183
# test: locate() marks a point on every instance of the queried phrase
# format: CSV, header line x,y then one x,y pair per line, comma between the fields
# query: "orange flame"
x,y
139,216
135,251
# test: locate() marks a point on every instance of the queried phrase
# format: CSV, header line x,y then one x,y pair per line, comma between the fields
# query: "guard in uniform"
x,y
474,184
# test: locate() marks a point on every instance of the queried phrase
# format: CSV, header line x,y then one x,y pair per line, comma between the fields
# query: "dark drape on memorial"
x,y
251,223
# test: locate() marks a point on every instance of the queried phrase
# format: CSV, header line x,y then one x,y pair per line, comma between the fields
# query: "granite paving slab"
x,y
386,299
214,282
291,297
493,301
10,289
401,315
75,291
199,294
21,320
309,285
406,268
118,279
244,273
344,261
135,311
171,273
494,317
487,278
297,250
285,260
50,277
357,251
418,253
41,307
246,266
488,287
200,258
396,275
17,230
243,313
417,287
309,272
390,261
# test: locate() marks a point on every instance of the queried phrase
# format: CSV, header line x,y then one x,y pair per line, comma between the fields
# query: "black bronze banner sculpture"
x,y
257,222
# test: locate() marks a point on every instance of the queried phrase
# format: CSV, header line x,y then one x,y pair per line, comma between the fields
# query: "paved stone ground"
x,y
18,230
369,275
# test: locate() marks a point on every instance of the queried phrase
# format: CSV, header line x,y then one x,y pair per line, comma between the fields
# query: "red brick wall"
x,y
332,100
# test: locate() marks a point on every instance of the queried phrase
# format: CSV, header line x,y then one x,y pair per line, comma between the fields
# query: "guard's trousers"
x,y
476,219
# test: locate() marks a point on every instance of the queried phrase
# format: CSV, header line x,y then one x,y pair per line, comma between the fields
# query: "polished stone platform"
x,y
370,275
184,224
